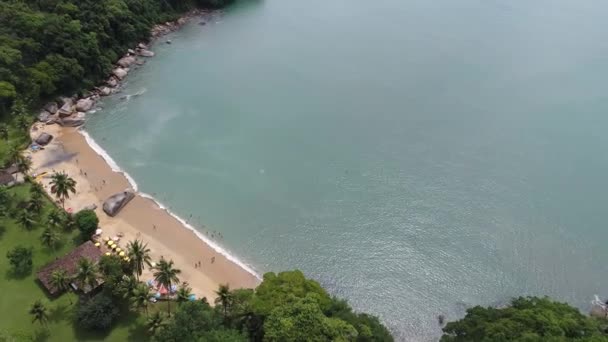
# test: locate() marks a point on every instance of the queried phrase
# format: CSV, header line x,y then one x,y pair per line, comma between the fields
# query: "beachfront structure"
x,y
69,263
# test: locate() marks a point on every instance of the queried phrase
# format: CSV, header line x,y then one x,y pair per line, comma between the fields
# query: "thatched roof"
x,y
6,178
69,263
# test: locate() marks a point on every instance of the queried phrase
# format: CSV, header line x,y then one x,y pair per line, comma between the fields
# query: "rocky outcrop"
x,y
131,52
84,105
44,116
120,73
105,91
145,53
125,62
71,121
51,107
140,62
112,82
44,139
142,46
67,109
116,202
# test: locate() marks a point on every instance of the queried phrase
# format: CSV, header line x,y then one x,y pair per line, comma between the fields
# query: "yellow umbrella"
x,y
118,249
110,242
107,253
114,247
97,244
121,253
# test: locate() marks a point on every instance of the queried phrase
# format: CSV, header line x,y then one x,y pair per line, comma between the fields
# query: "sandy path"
x,y
141,218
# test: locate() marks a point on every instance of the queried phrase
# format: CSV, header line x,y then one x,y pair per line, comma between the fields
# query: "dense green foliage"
x,y
284,307
98,313
526,319
20,259
87,222
52,47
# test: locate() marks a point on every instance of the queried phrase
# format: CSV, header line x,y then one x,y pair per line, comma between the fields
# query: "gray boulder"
x,y
140,62
105,91
142,46
112,82
67,109
146,53
51,107
131,51
44,139
44,116
116,202
71,122
84,105
120,73
126,61
66,100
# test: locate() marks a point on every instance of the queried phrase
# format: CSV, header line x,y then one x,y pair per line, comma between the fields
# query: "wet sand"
x,y
140,219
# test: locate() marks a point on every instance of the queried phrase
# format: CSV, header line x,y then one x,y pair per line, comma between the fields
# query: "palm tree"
x,y
86,273
38,312
165,274
183,293
61,186
14,154
60,281
4,131
155,322
50,237
36,190
140,296
36,203
127,285
139,254
56,218
25,219
22,122
224,297
24,165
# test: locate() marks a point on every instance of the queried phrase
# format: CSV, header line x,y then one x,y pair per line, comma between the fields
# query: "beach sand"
x,y
140,219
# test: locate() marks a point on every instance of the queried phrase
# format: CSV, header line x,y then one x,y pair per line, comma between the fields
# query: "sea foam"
x,y
114,166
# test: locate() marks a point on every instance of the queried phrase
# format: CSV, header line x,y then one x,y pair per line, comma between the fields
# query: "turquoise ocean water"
x,y
416,157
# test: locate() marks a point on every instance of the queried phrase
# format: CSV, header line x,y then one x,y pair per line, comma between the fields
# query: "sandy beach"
x,y
141,219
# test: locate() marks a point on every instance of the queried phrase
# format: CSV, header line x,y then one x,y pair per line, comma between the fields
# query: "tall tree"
x,y
86,274
183,293
36,203
61,281
24,165
23,122
166,275
56,218
50,237
139,253
26,219
4,131
38,312
224,298
140,296
155,322
62,185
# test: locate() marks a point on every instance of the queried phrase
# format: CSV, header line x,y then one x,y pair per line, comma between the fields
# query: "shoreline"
x,y
98,176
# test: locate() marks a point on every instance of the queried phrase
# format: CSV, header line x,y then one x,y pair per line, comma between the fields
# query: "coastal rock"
x,y
181,21
71,122
44,139
120,73
114,203
126,61
44,116
84,105
140,62
66,100
67,109
142,46
51,107
131,52
146,53
105,91
112,82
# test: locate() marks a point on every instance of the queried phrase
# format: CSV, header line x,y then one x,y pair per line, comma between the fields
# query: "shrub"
x,y
87,222
97,314
20,259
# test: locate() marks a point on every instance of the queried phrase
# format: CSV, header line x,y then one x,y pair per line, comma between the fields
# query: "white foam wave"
x,y
114,166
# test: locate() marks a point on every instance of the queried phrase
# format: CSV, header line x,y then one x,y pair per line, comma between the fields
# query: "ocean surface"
x,y
416,157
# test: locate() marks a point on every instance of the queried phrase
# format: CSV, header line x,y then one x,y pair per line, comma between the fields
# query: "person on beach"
x,y
212,259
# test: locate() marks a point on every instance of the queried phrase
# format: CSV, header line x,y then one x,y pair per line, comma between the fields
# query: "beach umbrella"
x,y
153,264
126,259
121,253
107,253
97,244
118,249
157,295
110,242
98,232
114,247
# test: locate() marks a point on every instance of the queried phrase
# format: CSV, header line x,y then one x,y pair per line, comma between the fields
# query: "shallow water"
x,y
416,157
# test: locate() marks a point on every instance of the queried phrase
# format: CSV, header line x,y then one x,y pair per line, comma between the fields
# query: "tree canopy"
x,y
526,319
